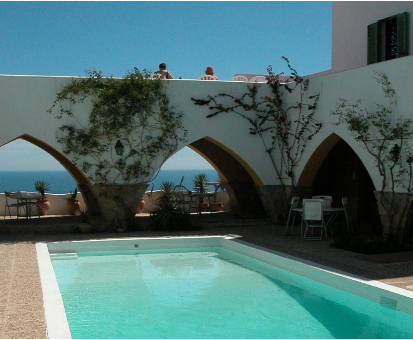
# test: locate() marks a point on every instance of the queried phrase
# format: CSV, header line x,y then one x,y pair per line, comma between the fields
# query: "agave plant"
x,y
72,196
200,182
41,187
166,197
167,187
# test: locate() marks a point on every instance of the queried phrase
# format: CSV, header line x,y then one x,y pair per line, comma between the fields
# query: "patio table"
x,y
200,196
28,201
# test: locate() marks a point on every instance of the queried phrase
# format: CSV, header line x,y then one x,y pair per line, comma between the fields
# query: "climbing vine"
x,y
284,130
384,138
132,112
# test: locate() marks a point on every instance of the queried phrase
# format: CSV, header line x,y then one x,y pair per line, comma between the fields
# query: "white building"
x,y
368,37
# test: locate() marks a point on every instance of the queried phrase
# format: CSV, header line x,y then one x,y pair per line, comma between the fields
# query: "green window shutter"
x,y
403,34
372,43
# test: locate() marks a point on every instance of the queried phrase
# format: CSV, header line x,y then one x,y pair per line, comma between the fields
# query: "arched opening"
x,y
81,180
240,179
337,171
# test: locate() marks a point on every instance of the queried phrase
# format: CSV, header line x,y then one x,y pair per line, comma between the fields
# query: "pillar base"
x,y
273,200
118,203
393,226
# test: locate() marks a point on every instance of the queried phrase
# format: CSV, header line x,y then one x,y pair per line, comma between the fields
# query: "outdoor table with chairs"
x,y
199,196
185,198
23,200
316,213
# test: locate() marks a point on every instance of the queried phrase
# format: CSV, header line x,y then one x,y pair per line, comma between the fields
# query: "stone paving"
x,y
21,303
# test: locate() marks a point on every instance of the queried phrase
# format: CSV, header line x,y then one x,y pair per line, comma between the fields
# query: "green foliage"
x,y
167,187
169,218
200,182
134,110
84,216
72,196
41,187
166,198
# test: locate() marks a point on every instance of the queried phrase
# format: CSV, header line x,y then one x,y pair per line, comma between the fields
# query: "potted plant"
x,y
43,204
167,189
73,204
84,226
200,185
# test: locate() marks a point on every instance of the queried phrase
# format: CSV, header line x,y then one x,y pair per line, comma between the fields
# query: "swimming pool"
x,y
210,287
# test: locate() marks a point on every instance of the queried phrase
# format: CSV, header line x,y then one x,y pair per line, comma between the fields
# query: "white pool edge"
x,y
55,314
379,292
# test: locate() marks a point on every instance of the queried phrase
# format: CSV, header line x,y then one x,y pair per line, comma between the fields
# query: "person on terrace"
x,y
209,71
164,72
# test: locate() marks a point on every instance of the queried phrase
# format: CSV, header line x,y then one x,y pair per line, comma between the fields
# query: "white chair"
x,y
344,200
313,218
327,203
327,200
18,205
258,79
295,201
207,77
239,78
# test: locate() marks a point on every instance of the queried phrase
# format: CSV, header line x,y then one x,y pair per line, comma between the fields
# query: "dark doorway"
x,y
343,174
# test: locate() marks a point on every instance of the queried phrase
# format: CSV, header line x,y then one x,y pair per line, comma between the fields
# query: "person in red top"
x,y
164,72
210,72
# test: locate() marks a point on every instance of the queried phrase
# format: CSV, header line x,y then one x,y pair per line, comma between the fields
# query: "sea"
x,y
62,183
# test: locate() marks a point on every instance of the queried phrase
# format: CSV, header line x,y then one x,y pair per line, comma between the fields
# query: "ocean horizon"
x,y
62,183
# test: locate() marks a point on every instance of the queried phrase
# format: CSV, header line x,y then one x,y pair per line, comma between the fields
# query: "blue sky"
x,y
69,38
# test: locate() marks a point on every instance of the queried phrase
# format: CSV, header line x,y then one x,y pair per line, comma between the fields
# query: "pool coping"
x,y
56,321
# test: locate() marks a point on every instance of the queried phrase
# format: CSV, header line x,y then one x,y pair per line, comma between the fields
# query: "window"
x,y
388,38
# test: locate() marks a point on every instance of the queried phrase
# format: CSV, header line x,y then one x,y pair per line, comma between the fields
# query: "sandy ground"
x,y
21,302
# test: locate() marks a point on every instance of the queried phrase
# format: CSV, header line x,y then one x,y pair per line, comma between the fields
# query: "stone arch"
x,y
240,179
318,156
82,181
336,169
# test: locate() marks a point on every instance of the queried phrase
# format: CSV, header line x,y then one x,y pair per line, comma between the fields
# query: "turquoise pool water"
x,y
210,293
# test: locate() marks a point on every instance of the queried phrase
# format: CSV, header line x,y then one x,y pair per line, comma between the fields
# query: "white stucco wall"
x,y
359,84
24,101
350,21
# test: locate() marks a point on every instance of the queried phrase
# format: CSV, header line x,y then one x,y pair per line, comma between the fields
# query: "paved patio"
x,y
21,303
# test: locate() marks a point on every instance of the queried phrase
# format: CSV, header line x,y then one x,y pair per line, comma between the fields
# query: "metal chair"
x,y
327,203
18,205
239,78
295,201
344,200
183,198
313,218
